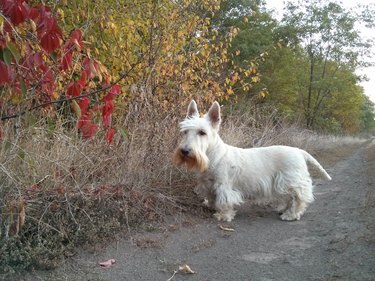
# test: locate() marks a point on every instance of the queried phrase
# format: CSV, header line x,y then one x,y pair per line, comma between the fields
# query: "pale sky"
x,y
369,86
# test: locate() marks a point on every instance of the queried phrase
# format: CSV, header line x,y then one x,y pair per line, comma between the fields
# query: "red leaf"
x,y
66,61
34,13
116,89
84,119
48,82
85,124
107,118
83,79
83,104
107,263
74,89
16,10
38,59
48,31
109,135
107,110
89,68
45,20
76,39
88,129
76,35
5,73
51,41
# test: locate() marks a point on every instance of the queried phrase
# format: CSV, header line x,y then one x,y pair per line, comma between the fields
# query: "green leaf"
x,y
50,126
5,145
123,133
21,154
1,24
13,49
23,88
30,119
7,56
54,56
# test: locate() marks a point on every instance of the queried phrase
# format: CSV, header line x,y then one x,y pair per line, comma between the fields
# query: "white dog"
x,y
275,175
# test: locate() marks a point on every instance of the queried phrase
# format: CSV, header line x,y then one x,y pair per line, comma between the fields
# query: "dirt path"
x,y
335,240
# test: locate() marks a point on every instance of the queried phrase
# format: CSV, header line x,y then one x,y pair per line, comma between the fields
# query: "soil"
x,y
334,240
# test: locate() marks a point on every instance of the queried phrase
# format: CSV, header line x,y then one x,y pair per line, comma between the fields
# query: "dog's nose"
x,y
185,151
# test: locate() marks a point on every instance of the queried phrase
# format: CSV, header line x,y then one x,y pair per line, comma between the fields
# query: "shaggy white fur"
x,y
275,175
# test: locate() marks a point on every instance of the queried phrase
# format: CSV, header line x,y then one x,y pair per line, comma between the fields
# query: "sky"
x,y
369,86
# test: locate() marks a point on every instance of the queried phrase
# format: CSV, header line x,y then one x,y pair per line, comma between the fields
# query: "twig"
x,y
46,224
43,179
226,228
174,273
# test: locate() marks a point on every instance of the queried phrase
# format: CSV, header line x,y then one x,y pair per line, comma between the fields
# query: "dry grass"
x,y
77,192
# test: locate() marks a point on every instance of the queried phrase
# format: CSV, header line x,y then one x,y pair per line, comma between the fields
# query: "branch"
x,y
125,74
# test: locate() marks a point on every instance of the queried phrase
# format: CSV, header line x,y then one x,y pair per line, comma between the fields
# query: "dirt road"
x,y
334,240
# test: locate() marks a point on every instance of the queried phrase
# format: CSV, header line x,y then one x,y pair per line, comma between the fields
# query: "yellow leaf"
x,y
60,12
255,79
185,269
76,108
33,25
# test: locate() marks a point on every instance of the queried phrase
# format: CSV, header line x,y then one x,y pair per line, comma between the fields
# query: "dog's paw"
x,y
227,216
218,216
289,216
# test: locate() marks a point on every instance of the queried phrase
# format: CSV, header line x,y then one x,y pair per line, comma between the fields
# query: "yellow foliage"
x,y
179,54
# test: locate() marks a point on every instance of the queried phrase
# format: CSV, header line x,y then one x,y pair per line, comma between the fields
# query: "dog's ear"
x,y
192,110
214,115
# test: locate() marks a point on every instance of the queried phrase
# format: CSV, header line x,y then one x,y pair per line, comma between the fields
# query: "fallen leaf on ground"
x,y
225,228
107,263
185,269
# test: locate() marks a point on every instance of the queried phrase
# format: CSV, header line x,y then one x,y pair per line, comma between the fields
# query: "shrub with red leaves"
x,y
37,68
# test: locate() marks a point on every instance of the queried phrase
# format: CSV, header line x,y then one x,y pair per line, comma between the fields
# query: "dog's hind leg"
x,y
301,197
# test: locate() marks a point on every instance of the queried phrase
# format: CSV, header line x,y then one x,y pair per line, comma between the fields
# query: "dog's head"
x,y
198,135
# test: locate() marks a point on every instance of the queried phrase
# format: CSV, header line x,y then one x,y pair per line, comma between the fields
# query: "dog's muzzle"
x,y
185,151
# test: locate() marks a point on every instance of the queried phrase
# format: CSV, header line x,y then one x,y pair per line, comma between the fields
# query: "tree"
x,y
254,26
327,33
368,116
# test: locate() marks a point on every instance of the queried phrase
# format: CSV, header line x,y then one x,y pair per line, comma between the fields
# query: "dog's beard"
x,y
195,161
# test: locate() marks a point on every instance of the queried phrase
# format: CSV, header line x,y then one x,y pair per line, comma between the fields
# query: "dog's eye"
x,y
201,133
184,132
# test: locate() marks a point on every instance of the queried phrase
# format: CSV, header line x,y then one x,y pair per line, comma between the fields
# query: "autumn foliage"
x,y
91,93
40,66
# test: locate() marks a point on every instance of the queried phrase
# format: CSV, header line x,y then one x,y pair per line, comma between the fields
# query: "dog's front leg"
x,y
226,199
205,190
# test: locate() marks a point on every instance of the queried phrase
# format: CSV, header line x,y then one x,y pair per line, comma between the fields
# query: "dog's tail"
x,y
314,162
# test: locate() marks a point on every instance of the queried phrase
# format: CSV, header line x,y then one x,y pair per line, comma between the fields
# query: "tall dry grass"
x,y
59,191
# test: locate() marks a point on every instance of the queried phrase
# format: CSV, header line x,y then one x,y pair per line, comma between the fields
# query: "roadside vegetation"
x,y
91,93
